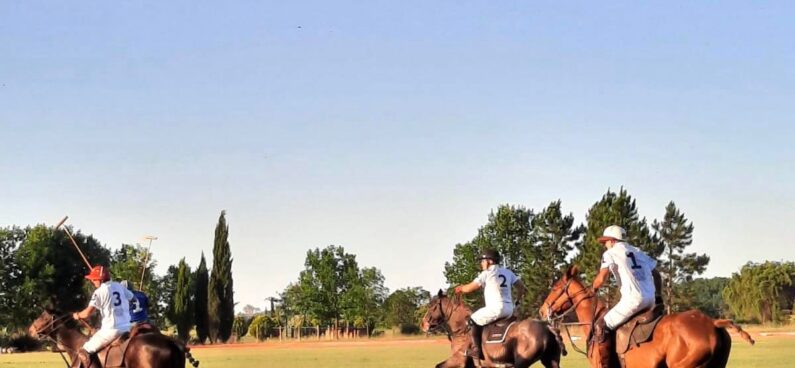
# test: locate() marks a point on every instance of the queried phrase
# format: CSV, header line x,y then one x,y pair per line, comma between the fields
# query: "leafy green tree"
x,y
10,277
676,266
183,301
364,299
52,272
329,276
260,327
240,326
705,295
756,293
614,209
221,304
402,307
167,291
553,235
200,293
507,231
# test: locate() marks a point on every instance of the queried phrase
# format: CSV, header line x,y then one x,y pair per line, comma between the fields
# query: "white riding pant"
x,y
101,338
489,314
625,308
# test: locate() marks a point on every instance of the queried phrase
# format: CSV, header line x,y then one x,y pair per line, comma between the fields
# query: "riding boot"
x,y
603,343
476,334
84,358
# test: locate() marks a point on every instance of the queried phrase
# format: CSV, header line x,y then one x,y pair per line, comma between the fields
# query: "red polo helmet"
x,y
98,273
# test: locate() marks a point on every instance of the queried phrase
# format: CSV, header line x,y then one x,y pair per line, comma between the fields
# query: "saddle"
x,y
112,355
638,329
494,333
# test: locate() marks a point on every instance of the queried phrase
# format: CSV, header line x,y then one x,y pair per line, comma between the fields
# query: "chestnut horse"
x,y
526,342
681,340
147,350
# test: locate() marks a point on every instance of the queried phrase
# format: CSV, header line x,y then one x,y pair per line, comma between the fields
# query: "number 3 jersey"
x,y
631,269
496,282
113,302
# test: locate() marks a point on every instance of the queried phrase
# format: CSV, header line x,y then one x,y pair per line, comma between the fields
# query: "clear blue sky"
x,y
392,128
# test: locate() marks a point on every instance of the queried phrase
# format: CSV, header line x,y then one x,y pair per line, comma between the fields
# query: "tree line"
x,y
538,245
39,268
334,293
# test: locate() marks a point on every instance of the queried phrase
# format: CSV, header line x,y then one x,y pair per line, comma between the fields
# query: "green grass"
x,y
768,353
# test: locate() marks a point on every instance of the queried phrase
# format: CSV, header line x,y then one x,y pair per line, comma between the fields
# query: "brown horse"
x,y
526,342
681,340
146,350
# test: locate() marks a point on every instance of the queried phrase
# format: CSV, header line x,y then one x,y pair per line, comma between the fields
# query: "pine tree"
x,y
183,301
507,231
614,209
201,278
554,236
221,304
676,266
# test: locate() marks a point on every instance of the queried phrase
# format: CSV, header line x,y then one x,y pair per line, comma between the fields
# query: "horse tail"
x,y
729,324
191,359
183,348
558,339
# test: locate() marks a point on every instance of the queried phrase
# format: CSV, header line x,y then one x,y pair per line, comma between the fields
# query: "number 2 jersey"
x,y
496,282
113,302
631,269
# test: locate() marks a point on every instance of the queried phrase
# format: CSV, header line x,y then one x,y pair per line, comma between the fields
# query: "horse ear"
x,y
440,293
573,271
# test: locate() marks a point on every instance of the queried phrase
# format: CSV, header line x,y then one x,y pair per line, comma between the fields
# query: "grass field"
x,y
769,352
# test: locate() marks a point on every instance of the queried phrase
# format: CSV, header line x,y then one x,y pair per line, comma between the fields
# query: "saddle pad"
x,y
634,333
495,332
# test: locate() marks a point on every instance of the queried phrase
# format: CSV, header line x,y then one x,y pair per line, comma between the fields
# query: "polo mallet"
x,y
146,260
69,234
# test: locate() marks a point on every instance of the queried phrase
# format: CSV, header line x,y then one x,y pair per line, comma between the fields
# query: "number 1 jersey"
x,y
631,269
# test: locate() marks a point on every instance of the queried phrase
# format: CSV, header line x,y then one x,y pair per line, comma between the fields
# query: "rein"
x,y
446,318
558,317
54,326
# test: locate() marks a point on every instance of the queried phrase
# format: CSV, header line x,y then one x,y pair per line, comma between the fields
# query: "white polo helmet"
x,y
613,232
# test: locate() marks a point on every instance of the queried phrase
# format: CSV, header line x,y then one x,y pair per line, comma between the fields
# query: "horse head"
x,y
45,324
437,314
565,294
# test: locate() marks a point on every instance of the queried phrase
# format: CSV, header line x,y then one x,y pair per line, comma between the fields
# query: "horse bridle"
x,y
53,327
445,318
571,299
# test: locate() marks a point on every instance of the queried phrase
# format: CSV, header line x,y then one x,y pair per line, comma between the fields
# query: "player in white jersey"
x,y
496,282
632,269
113,302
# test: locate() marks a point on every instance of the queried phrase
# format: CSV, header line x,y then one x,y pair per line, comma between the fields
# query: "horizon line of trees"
x,y
38,267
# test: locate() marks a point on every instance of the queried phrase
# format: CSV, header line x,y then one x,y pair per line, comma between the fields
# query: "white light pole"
x,y
146,259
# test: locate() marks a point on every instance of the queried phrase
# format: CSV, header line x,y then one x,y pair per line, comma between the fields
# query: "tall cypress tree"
x,y
221,304
200,292
183,303
676,266
614,209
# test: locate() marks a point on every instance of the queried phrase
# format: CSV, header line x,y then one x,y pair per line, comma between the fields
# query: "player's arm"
x,y
521,290
600,279
85,313
467,288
